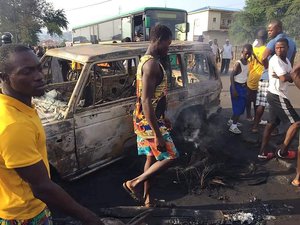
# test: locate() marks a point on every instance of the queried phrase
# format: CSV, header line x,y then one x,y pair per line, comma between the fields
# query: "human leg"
x,y
287,113
266,137
292,130
222,65
296,181
164,159
153,170
257,118
238,106
149,161
227,65
274,122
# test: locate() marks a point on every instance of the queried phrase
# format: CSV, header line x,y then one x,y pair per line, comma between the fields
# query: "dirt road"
x,y
236,183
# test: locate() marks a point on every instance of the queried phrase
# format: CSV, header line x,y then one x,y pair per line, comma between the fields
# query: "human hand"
x,y
160,143
168,124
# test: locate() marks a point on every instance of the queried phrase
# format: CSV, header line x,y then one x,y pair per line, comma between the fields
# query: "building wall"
x,y
214,20
212,24
198,23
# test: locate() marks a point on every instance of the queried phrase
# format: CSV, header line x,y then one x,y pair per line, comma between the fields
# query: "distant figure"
x,y
150,124
227,55
201,38
199,60
281,110
238,79
39,52
215,49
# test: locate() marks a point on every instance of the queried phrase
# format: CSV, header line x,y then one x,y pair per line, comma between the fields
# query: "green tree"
x,y
25,19
257,13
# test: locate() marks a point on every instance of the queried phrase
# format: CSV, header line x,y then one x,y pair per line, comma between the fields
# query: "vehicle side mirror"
x,y
187,29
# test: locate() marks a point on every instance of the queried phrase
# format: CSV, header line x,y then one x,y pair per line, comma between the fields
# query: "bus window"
x,y
138,28
126,27
172,19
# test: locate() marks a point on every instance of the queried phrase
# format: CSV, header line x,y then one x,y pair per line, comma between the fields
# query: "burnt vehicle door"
x,y
53,108
103,114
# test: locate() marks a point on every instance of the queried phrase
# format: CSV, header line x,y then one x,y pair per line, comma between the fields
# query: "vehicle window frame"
x,y
79,109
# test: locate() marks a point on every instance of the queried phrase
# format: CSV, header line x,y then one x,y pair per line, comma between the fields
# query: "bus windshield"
x,y
175,20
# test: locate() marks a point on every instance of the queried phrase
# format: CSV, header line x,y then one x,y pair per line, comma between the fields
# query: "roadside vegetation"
x,y
25,19
257,13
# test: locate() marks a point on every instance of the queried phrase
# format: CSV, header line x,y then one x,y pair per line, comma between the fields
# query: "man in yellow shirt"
x,y
256,69
25,185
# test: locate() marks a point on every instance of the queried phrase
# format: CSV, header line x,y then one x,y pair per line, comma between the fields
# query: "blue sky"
x,y
81,12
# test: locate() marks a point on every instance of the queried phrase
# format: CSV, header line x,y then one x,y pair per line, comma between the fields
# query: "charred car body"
x,y
90,97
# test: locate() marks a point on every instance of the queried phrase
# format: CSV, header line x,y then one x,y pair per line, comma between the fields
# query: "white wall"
x,y
198,24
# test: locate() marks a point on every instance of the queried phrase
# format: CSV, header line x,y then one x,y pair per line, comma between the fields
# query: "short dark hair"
x,y
5,51
262,34
160,33
248,47
277,23
284,40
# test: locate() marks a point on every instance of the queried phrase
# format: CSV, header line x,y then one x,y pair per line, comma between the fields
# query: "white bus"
x,y
135,24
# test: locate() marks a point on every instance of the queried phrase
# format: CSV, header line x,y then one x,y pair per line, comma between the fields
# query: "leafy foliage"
x,y
257,13
25,19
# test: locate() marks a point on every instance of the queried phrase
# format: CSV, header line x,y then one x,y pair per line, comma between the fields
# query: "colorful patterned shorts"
x,y
44,218
147,147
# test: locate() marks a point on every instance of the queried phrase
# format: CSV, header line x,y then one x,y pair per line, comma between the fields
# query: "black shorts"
x,y
251,95
281,110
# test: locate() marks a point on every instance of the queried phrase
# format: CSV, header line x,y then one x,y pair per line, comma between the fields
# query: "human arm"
x,y
236,70
279,70
295,74
267,52
152,75
53,195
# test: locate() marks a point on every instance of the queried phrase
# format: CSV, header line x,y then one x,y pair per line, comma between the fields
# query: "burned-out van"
x,y
90,97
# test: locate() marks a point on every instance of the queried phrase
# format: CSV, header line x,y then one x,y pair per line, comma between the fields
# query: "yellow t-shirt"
x,y
22,143
255,68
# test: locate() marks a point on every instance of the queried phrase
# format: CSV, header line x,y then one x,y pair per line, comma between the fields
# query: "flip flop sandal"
x,y
296,183
269,156
130,192
289,155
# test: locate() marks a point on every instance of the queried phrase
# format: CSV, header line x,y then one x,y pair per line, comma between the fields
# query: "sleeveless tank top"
x,y
243,75
141,126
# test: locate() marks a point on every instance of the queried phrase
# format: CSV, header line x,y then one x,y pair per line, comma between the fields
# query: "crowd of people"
x,y
260,76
